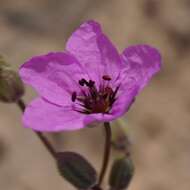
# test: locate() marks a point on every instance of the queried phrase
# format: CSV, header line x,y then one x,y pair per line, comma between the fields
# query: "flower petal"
x,y
55,76
124,101
142,62
41,115
94,51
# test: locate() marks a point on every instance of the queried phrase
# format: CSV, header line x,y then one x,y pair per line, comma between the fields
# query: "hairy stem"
x,y
107,151
43,139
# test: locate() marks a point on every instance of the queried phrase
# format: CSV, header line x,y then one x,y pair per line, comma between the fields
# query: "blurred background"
x,y
158,122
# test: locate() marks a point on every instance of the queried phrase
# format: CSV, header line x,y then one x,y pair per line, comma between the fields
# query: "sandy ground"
x,y
158,121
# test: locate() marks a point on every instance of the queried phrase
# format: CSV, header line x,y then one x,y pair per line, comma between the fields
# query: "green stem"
x,y
44,140
107,151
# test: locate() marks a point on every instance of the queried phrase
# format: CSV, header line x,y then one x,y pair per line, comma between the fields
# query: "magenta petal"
x,y
41,115
124,101
54,76
94,51
142,62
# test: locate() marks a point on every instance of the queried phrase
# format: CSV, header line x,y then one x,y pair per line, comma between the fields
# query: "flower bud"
x,y
11,86
75,169
2,62
121,173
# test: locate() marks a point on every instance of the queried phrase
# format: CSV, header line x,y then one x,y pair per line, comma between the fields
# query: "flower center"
x,y
93,100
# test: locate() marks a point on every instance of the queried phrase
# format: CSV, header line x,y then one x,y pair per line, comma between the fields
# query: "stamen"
x,y
90,83
112,98
108,90
82,82
74,96
106,77
93,100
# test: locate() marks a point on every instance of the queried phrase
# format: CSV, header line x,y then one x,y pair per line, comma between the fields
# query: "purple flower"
x,y
88,82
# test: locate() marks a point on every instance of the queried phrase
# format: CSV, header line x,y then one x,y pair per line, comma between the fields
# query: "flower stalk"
x,y
96,188
43,139
107,152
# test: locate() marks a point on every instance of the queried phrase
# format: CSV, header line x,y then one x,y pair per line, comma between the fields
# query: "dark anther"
x,y
106,77
82,82
90,83
74,96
